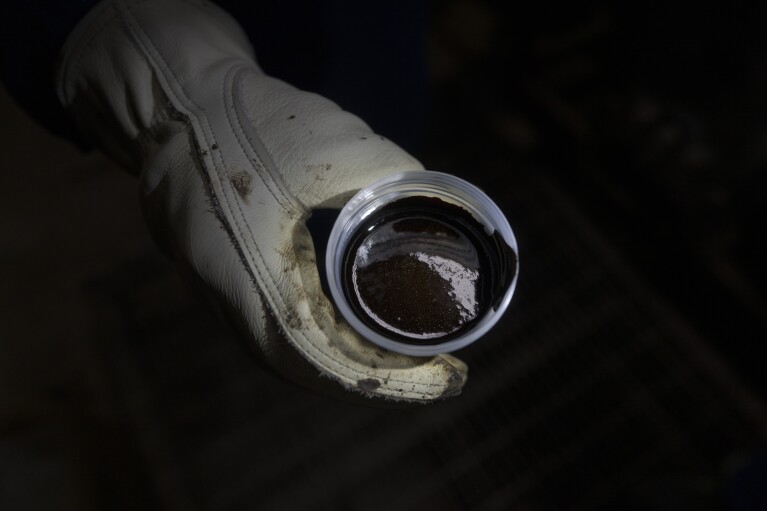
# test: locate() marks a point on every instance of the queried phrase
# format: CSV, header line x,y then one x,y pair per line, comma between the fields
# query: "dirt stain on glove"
x,y
368,384
242,182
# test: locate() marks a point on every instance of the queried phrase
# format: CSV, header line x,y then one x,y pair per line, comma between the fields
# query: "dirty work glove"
x,y
232,163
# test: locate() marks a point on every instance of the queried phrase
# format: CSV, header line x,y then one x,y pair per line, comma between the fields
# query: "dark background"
x,y
628,148
653,119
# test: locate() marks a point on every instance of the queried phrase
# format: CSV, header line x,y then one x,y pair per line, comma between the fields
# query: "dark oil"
x,y
423,271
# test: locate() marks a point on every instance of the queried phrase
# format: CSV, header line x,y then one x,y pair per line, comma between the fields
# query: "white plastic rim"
x,y
423,183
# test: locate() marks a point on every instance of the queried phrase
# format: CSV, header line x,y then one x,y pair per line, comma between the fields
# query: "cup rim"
x,y
416,183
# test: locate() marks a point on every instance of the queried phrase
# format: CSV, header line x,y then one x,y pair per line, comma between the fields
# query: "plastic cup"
x,y
430,184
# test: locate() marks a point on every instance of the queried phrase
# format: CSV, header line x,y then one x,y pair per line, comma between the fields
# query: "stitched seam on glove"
x,y
295,207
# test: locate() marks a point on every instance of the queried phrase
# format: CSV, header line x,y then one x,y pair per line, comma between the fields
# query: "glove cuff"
x,y
112,78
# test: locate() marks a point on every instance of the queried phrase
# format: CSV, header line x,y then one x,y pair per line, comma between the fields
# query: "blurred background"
x,y
628,148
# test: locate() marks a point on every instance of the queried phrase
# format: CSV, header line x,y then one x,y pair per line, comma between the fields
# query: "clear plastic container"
x,y
431,184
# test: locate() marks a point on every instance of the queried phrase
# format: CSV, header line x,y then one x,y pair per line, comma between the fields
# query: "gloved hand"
x,y
232,163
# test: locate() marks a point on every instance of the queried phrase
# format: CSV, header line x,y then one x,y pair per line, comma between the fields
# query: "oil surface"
x,y
422,271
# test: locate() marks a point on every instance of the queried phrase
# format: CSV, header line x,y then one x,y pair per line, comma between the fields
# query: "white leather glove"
x,y
232,163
